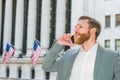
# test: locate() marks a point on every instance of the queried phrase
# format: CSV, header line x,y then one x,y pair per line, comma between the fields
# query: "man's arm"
x,y
51,63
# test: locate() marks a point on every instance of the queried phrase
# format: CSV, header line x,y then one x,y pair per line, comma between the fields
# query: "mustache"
x,y
76,33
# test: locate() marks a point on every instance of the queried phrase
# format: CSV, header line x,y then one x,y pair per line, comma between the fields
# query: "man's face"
x,y
82,32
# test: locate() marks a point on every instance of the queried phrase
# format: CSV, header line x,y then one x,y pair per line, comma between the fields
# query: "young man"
x,y
89,61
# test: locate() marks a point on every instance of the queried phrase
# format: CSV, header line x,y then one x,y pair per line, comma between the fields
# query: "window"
x,y
32,73
47,75
107,43
38,17
52,20
117,19
68,19
19,72
24,44
107,21
68,16
2,26
7,71
117,44
13,21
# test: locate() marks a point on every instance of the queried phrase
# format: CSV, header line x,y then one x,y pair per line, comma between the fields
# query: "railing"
x,y
13,79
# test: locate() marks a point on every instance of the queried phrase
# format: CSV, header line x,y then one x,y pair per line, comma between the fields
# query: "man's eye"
x,y
80,27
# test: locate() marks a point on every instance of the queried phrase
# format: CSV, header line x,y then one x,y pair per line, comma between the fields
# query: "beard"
x,y
83,37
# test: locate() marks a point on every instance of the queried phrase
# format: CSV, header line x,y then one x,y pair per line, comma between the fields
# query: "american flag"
x,y
9,52
36,52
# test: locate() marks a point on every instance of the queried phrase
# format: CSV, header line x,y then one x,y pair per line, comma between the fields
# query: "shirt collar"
x,y
92,50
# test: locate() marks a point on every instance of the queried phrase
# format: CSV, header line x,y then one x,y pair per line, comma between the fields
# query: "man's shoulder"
x,y
107,50
110,53
72,51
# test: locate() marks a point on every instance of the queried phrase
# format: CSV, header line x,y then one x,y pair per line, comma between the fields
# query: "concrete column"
x,y
112,25
85,7
39,73
60,17
91,7
99,10
26,72
112,44
7,22
19,27
100,15
13,71
45,24
31,26
77,11
53,75
2,70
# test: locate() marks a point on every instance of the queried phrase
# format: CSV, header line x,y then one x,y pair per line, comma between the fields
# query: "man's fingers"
x,y
67,37
65,40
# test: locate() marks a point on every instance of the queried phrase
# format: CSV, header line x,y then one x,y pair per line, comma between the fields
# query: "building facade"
x,y
110,37
23,21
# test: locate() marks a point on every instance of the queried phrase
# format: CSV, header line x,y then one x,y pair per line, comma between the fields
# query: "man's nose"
x,y
76,29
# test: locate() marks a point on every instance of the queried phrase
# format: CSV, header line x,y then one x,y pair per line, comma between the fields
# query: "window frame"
x,y
117,45
107,23
107,43
117,23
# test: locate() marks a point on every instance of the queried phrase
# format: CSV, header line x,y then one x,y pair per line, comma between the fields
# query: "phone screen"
x,y
72,38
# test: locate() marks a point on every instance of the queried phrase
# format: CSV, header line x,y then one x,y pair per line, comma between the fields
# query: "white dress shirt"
x,y
83,67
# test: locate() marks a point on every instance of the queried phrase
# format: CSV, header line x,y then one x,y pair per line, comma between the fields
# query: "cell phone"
x,y
72,38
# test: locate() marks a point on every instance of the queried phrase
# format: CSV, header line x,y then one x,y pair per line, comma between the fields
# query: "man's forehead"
x,y
82,21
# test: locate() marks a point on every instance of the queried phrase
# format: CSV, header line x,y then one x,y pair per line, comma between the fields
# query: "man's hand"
x,y
65,40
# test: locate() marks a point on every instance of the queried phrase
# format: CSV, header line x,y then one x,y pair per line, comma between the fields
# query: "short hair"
x,y
93,24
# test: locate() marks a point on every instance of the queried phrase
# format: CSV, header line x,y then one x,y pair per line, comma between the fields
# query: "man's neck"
x,y
88,45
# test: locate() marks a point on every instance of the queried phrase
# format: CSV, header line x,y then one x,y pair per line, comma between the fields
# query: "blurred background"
x,y
23,21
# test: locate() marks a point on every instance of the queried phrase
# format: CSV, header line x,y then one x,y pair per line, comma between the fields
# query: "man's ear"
x,y
93,31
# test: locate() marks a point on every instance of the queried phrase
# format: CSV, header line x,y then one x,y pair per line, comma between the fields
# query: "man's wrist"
x,y
59,42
